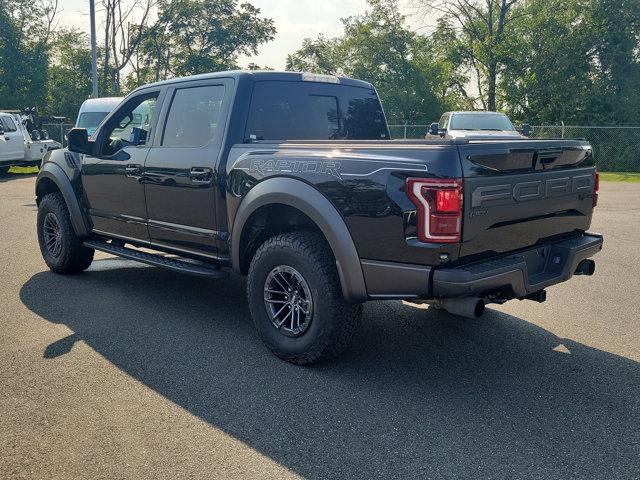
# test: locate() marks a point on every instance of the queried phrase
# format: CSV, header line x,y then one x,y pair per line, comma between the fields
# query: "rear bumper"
x,y
513,275
519,274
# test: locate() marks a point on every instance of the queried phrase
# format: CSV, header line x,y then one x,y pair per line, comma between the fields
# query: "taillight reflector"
x,y
439,209
448,201
596,187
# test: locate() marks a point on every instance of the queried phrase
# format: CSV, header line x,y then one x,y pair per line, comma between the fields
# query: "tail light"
x,y
596,187
439,208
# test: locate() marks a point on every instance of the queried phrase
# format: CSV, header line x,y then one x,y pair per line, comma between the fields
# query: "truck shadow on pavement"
x,y
418,395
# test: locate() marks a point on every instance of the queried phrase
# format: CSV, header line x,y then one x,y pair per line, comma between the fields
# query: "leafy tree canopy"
x,y
414,85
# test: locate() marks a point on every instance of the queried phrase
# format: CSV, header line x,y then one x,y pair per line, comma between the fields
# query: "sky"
x,y
294,21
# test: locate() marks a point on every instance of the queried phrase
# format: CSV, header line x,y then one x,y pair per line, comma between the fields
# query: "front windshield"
x,y
91,120
480,121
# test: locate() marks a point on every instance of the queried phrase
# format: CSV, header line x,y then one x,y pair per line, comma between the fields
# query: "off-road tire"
x,y
334,320
74,257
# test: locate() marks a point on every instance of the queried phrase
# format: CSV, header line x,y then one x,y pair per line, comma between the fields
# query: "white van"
x,y
93,111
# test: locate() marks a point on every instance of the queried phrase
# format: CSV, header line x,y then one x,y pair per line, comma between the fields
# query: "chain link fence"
x,y
615,149
58,131
408,131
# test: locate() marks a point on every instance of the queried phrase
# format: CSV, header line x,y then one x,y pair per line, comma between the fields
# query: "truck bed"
x,y
516,193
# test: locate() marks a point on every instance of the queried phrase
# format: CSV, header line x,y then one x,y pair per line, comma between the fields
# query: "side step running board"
x,y
156,260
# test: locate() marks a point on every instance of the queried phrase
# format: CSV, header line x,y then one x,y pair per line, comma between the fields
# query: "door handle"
x,y
8,139
201,175
133,171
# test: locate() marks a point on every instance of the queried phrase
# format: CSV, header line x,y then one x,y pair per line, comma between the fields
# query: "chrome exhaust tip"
x,y
586,267
470,307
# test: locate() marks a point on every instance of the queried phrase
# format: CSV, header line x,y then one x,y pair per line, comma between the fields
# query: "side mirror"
x,y
434,129
79,141
526,129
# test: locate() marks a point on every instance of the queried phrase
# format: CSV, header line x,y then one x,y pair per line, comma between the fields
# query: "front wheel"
x,y
296,299
61,248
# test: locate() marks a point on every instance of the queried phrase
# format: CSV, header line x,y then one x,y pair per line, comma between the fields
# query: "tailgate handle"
x,y
545,157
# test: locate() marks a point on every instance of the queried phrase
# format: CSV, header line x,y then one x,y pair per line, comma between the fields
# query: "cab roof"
x,y
104,104
260,75
476,112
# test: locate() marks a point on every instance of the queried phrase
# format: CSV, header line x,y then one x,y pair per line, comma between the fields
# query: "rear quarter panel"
x,y
365,182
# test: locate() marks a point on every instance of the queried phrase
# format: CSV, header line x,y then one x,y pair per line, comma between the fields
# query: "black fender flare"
x,y
57,175
299,195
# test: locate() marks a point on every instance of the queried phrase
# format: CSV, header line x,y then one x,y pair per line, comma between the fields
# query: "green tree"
x,y
198,36
379,48
615,33
320,55
481,26
25,30
124,26
578,64
69,75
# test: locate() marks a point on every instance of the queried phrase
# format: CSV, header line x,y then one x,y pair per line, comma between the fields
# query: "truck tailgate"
x,y
522,193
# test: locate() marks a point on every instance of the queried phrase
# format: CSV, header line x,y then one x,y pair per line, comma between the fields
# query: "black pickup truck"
x,y
292,180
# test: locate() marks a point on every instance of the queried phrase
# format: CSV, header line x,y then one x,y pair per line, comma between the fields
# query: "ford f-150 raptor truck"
x,y
292,180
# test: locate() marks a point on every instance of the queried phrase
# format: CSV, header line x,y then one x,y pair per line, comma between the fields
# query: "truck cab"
x,y
11,141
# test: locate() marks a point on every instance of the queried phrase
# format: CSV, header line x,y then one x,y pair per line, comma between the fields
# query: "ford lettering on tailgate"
x,y
506,193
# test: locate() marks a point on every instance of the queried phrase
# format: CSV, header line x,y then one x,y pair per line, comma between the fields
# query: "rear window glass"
x,y
314,111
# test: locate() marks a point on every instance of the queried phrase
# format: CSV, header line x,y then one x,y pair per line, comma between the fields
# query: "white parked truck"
x,y
17,148
480,125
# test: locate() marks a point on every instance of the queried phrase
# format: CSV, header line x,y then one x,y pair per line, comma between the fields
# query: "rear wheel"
x,y
296,300
61,248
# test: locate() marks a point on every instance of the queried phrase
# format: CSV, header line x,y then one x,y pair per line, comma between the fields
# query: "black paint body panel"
x,y
517,194
522,193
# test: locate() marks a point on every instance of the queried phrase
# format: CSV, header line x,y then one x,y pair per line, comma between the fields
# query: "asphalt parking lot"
x,y
132,372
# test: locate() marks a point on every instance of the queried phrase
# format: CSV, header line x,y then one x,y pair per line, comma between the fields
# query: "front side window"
x,y
130,125
194,116
8,124
283,110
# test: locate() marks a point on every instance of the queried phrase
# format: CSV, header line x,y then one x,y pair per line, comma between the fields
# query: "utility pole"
x,y
94,54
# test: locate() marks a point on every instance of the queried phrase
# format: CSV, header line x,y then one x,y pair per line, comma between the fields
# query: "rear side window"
x,y
194,116
9,125
314,111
